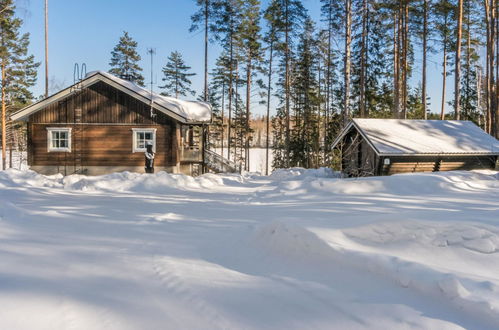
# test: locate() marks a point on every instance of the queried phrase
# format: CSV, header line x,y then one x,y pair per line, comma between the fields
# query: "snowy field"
x,y
257,159
296,250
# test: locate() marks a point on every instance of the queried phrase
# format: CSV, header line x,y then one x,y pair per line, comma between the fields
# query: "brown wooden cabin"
x,y
102,124
389,146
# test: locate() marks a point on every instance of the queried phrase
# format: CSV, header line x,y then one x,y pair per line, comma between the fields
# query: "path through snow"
x,y
299,249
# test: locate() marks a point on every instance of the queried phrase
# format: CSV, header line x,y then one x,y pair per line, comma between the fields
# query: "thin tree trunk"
x,y
362,104
229,128
46,48
223,117
487,69
286,82
444,79
396,88
468,62
347,60
405,62
328,82
4,126
269,88
425,47
457,73
206,17
496,102
248,101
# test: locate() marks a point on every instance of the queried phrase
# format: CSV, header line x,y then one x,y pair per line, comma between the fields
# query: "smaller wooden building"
x,y
389,146
102,124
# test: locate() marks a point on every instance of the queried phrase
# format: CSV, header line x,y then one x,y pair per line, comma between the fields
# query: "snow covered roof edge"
x,y
397,137
183,111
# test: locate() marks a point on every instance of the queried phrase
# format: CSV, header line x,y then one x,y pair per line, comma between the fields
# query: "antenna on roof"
x,y
152,51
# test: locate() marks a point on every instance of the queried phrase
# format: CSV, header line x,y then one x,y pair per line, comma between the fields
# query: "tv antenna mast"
x,y
152,52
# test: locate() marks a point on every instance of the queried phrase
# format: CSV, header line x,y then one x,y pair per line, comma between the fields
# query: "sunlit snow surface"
x,y
296,250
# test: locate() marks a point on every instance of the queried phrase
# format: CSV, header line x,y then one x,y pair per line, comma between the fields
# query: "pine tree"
x,y
251,50
203,19
471,109
176,77
289,17
220,82
271,40
227,21
443,11
124,60
18,69
304,142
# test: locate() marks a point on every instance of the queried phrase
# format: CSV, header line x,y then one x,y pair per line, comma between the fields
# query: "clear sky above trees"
x,y
87,31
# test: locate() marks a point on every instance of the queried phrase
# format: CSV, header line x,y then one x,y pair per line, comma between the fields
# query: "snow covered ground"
x,y
296,250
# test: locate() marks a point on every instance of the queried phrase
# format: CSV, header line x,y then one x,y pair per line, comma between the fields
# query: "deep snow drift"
x,y
295,250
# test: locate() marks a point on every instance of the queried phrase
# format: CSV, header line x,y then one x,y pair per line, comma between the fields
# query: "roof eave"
x,y
35,107
438,154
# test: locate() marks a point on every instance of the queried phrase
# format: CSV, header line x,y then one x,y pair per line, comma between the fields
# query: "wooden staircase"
x,y
219,164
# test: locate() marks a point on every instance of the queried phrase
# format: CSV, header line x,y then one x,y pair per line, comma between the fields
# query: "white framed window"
x,y
142,136
58,139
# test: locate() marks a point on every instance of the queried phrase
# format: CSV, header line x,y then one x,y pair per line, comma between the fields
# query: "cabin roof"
x,y
398,137
183,111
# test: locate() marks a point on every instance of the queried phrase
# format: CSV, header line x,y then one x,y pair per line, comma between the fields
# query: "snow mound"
x,y
290,242
160,182
299,173
473,237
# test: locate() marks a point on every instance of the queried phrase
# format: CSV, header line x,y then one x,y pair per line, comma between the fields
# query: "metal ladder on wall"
x,y
78,142
77,147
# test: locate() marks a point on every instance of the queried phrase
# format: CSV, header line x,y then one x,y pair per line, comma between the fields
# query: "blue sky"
x,y
86,32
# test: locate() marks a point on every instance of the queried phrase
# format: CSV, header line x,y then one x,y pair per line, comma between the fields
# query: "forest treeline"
x,y
358,60
362,58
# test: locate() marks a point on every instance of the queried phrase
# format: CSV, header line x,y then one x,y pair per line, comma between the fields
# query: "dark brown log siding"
x,y
107,118
360,159
408,164
100,103
109,145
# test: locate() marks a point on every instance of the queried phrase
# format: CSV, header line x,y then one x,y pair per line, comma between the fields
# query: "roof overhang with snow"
x,y
398,137
189,112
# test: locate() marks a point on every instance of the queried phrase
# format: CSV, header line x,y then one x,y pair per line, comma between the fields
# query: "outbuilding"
x,y
389,146
102,124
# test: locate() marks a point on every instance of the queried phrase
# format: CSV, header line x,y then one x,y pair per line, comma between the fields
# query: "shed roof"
x,y
397,137
184,111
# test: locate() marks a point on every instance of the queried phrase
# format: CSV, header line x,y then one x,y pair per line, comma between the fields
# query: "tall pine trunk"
x,y
269,88
457,73
206,17
231,71
248,101
425,48
347,60
4,126
287,82
363,59
444,79
396,68
405,66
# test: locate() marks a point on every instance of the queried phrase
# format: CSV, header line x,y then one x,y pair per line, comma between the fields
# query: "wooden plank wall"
x,y
100,103
104,146
108,116
410,164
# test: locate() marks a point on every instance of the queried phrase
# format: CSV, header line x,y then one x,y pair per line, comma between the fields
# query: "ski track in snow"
x,y
298,249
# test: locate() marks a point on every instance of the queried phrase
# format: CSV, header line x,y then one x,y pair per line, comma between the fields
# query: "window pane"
x,y
148,136
63,143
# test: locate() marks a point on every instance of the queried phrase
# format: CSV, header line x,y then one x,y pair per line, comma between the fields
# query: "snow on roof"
x,y
190,110
397,137
184,111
